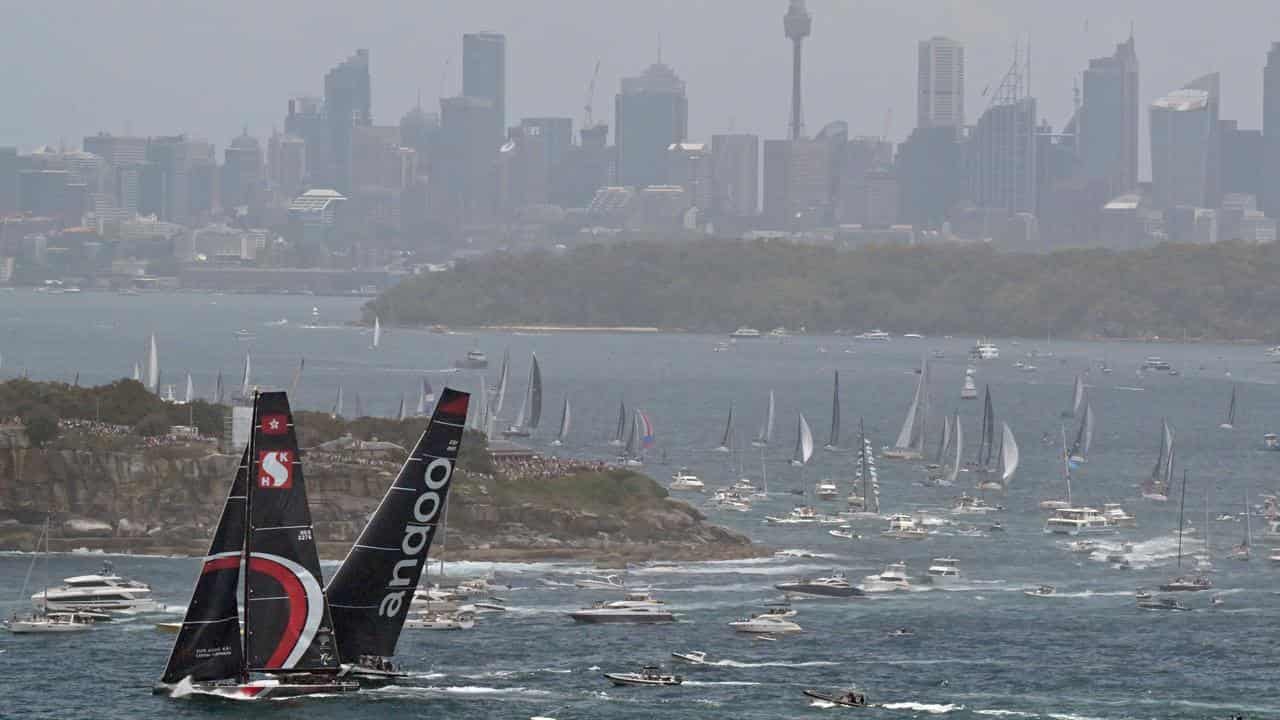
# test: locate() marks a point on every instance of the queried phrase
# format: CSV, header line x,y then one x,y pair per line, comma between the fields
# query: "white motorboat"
x,y
682,479
944,572
1154,362
1082,547
1042,591
601,582
892,579
103,591
905,527
1078,521
693,657
649,676
616,612
1117,516
834,585
50,623
968,505
1271,441
803,515
984,350
876,335
827,490
441,621
766,624
843,534
1162,602
746,333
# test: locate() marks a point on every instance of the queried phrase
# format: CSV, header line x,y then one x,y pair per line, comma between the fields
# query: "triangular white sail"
x,y
190,394
403,410
910,437
153,365
1008,455
377,332
337,405
1077,396
766,428
500,398
804,442
564,423
1230,422
137,372
244,381
957,440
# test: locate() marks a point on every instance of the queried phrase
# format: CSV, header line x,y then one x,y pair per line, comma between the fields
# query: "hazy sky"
x,y
72,67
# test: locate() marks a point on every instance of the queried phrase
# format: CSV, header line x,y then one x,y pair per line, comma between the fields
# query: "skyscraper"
x,y
484,72
1002,148
735,175
8,179
652,114
1184,131
940,91
347,103
1108,127
796,24
465,190
797,183
242,174
1271,132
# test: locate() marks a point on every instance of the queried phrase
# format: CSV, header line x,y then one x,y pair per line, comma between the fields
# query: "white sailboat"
x,y
865,497
403,412
1156,487
1054,504
957,440
804,443
1230,422
1079,453
494,411
766,428
190,395
153,365
137,372
42,621
1009,458
620,433
337,405
1077,398
245,387
911,438
530,414
426,396
377,333
564,424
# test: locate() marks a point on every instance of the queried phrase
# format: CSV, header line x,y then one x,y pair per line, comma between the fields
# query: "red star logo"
x,y
275,424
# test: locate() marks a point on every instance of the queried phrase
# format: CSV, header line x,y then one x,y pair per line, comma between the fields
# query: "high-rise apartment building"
x,y
464,188
287,162
652,114
347,104
243,178
484,72
940,84
1184,152
1271,132
689,166
735,175
797,182
8,179
1108,123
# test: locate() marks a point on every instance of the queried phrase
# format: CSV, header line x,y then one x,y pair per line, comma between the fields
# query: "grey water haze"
x,y
70,69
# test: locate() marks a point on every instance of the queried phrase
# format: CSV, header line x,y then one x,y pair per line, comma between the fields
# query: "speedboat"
x,y
827,490
968,505
902,632
103,591
649,676
984,350
892,579
1154,362
49,623
441,621
604,582
848,699
905,527
746,333
1078,521
624,612
944,572
474,360
876,335
693,657
1054,504
843,534
1082,547
1041,591
1162,602
834,585
1185,583
682,479
1117,516
767,624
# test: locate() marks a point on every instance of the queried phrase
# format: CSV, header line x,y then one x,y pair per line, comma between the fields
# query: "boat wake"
x,y
931,708
777,663
709,683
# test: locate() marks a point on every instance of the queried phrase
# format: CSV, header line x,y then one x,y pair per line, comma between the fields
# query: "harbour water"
x,y
980,649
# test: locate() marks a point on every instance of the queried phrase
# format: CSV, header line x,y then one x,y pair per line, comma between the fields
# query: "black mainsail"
x,y
726,440
986,438
286,618
371,592
619,436
208,644
833,442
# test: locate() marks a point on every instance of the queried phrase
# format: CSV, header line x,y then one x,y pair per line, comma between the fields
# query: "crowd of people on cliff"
x,y
538,467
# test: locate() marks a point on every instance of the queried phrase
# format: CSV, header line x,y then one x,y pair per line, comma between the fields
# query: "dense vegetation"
x,y
1225,291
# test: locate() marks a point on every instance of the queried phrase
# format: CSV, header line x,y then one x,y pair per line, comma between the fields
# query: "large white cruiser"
x,y
104,591
1078,521
892,579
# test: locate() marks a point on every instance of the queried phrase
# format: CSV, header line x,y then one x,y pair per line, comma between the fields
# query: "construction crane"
x,y
588,120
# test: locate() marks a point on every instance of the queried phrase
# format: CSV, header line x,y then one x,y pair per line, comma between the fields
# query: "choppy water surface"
x,y
982,649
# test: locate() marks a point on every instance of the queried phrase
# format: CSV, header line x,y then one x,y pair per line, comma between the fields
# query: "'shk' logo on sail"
x,y
275,469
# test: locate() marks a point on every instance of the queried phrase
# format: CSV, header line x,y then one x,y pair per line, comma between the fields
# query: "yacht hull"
x,y
818,590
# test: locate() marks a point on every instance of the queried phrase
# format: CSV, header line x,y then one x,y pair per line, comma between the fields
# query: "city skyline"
x,y
551,54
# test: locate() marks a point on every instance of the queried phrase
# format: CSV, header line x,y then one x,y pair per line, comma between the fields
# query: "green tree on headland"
x,y
1222,291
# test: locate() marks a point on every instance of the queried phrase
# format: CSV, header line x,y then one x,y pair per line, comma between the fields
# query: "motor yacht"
x,y
693,657
984,350
440,621
844,533
474,360
892,579
649,676
834,585
48,623
682,479
905,527
944,572
633,608
803,515
876,335
1041,591
746,333
1162,602
1187,583
766,624
1117,516
826,490
1078,521
103,591
1154,362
